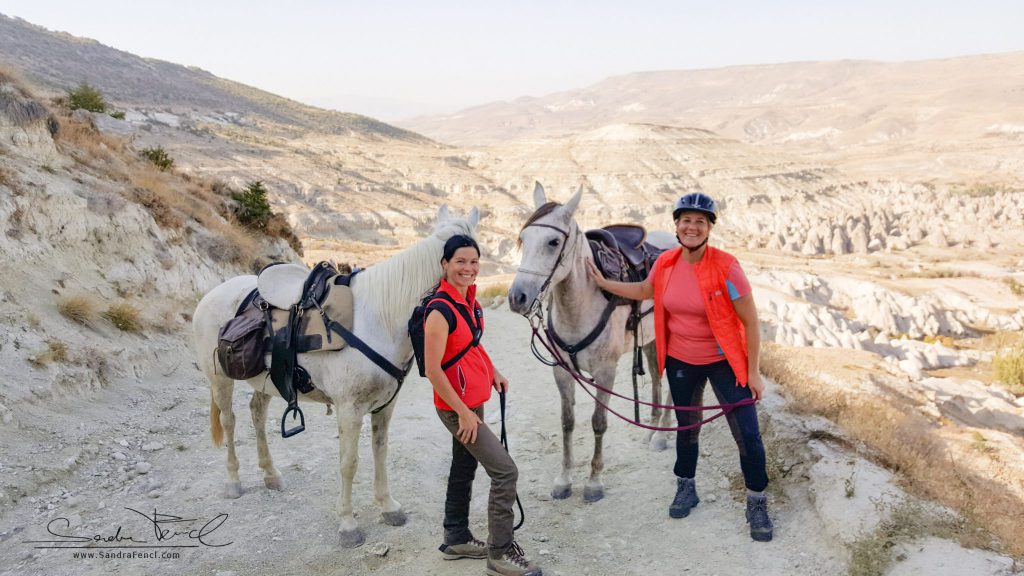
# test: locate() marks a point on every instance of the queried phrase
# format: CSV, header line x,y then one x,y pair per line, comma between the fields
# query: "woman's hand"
x,y
756,384
500,382
468,421
595,274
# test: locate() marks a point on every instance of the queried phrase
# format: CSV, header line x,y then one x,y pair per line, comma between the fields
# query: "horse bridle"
x,y
538,301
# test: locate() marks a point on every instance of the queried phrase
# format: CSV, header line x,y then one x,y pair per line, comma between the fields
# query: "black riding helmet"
x,y
696,202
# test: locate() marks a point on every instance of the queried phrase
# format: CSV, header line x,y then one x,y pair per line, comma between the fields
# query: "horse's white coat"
x,y
575,305
384,297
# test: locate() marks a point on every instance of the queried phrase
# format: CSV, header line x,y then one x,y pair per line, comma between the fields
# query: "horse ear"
x,y
539,198
474,217
442,214
574,202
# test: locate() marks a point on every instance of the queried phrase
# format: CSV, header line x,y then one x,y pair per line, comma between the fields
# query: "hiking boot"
x,y
757,516
470,549
511,562
686,498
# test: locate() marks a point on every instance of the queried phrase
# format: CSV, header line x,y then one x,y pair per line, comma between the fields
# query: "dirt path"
x,y
88,468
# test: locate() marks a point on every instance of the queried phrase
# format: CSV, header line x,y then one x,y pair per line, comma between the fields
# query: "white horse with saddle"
x,y
591,330
383,298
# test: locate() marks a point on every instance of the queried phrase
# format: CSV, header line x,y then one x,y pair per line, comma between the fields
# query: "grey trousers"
x,y
488,451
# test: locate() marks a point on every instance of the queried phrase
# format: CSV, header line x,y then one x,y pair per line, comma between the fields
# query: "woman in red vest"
x,y
460,389
706,329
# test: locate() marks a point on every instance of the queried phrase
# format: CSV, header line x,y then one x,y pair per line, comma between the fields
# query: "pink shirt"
x,y
689,333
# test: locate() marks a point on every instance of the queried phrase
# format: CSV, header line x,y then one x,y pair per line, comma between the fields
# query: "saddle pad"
x,y
281,285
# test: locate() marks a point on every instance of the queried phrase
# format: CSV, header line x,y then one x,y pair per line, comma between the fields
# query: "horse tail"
x,y
216,431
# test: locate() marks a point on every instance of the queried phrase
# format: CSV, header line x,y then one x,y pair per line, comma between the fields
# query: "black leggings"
x,y
687,384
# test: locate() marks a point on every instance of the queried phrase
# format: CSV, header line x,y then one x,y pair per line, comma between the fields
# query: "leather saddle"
x,y
298,305
621,251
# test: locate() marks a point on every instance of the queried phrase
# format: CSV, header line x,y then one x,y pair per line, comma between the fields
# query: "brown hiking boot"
x,y
511,562
471,549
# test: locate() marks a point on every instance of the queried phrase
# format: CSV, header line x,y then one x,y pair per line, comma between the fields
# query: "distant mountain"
x,y
59,61
832,103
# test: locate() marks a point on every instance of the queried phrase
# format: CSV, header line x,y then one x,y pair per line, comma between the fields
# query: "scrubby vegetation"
x,y
904,441
85,97
1009,368
124,316
253,208
77,308
158,156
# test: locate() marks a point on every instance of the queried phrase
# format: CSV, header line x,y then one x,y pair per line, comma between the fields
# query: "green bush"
x,y
253,209
158,156
87,98
119,115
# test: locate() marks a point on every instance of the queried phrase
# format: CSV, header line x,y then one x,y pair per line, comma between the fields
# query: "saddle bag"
x,y
241,346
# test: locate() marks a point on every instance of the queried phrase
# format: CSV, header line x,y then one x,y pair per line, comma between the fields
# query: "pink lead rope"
x,y
583,380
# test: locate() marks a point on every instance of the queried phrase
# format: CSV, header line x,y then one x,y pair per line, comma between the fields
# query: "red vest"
x,y
473,374
711,270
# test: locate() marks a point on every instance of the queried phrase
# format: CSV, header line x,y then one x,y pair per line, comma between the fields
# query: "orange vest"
x,y
711,270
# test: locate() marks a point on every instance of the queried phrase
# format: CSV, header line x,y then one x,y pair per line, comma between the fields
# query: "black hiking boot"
x,y
757,516
686,498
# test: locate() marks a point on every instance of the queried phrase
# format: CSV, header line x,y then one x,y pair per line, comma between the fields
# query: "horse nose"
x,y
517,300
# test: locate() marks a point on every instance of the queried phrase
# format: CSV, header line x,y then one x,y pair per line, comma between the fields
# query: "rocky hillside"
x,y
104,257
59,61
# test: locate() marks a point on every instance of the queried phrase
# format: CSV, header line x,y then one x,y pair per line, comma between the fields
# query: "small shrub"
x,y
1009,367
119,115
159,157
253,208
48,169
124,316
1016,287
58,350
32,319
78,308
86,97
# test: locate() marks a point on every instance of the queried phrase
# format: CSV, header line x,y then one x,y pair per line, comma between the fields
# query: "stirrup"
x,y
285,433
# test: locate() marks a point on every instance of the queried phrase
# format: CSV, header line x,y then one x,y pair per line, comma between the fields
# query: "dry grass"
x,y
77,308
907,442
1009,368
493,291
56,351
908,520
124,316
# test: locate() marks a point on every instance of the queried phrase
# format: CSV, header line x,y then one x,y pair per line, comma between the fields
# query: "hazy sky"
x,y
396,59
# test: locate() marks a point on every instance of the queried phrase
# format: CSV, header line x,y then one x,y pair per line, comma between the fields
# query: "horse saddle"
x,y
621,251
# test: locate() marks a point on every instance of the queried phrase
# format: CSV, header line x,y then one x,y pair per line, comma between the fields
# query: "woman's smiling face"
x,y
463,267
692,229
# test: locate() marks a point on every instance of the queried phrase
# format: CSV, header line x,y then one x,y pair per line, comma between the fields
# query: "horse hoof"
x,y
658,444
592,494
351,538
232,490
561,492
273,483
396,518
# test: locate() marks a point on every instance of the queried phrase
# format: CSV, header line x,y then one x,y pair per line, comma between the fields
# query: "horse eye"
x,y
553,243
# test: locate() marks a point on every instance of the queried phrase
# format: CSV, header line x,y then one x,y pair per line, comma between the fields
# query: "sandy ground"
x,y
72,469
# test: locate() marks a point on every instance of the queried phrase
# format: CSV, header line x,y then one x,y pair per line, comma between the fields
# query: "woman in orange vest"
x,y
461,387
706,329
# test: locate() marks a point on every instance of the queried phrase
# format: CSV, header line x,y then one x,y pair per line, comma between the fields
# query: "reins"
x,y
536,324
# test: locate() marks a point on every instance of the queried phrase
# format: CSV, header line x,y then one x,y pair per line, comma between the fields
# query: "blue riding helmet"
x,y
696,202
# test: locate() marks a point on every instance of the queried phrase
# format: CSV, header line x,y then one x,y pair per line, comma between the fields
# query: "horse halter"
x,y
538,301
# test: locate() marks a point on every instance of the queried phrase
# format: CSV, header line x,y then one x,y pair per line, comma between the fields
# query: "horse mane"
x,y
387,286
539,213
